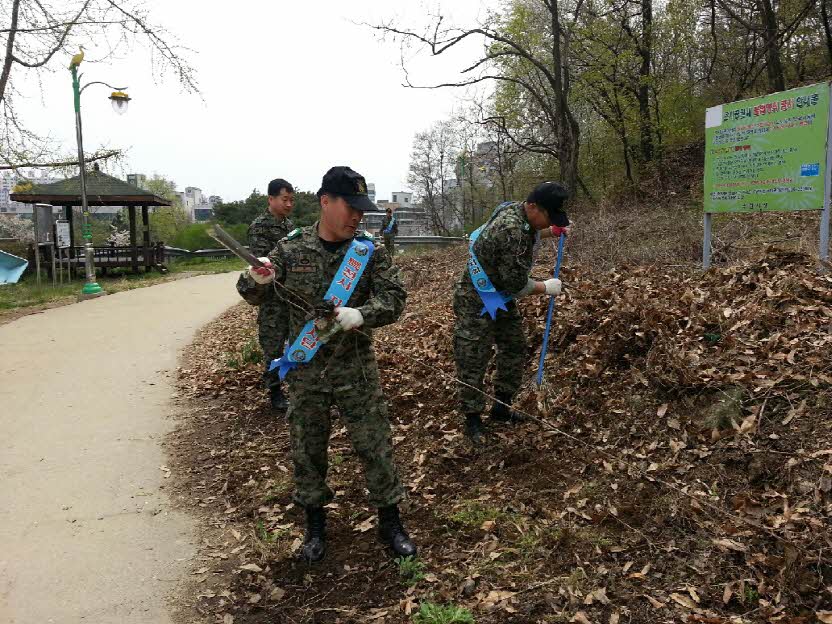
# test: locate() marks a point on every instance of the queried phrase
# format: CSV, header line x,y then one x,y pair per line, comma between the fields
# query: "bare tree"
x,y
39,36
432,176
769,32
540,71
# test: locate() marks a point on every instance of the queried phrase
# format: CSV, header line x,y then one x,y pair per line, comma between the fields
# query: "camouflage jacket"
x,y
385,222
265,232
304,269
505,249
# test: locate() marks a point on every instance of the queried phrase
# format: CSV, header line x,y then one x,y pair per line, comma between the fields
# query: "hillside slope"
x,y
676,466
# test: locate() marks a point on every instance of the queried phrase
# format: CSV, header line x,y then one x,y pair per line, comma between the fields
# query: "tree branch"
x,y
7,61
63,163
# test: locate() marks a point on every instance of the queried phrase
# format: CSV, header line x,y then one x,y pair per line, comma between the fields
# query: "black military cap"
x,y
550,196
350,185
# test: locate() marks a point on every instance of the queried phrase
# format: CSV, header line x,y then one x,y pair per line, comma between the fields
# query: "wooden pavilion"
x,y
104,190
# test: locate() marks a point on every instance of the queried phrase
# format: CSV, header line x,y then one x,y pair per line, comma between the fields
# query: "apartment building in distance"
x,y
412,219
10,179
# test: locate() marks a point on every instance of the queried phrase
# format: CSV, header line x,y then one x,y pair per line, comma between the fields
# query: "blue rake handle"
x,y
545,346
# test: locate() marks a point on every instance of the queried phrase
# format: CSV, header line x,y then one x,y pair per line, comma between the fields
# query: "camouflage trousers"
x,y
272,321
390,245
475,337
353,386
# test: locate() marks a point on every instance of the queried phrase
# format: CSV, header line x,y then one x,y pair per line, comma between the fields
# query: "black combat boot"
x,y
278,399
314,544
475,429
392,533
503,413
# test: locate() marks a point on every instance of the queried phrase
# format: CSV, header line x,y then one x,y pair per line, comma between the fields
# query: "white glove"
x,y
552,286
262,275
349,318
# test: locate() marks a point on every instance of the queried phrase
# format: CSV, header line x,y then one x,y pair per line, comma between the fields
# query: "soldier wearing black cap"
x,y
502,254
272,320
332,264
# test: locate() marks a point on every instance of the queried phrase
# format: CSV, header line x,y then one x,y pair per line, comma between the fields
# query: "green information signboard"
x,y
768,154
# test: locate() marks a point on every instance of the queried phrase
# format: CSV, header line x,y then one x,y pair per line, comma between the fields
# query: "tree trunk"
x,y
827,28
8,59
625,145
569,132
568,150
645,51
774,67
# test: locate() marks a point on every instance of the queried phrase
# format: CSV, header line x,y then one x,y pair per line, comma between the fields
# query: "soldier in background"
x,y
500,260
272,321
389,231
336,276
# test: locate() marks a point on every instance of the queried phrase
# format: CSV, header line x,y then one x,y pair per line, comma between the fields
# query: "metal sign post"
x,y
37,244
706,242
823,252
63,241
43,219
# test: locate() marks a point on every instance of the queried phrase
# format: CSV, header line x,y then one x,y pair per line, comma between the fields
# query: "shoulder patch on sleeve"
x,y
293,234
365,234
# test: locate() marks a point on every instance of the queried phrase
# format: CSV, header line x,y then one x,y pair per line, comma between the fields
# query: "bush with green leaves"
x,y
430,613
411,569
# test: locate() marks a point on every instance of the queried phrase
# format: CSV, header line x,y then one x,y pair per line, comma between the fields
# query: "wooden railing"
x,y
115,256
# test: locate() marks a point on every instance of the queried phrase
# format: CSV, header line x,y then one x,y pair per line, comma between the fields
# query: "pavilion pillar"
x,y
148,264
69,212
134,251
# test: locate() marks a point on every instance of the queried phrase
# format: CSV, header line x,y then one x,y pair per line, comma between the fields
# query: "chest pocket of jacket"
x,y
304,276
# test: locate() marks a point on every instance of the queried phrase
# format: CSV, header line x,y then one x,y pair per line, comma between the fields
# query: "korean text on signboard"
x,y
769,153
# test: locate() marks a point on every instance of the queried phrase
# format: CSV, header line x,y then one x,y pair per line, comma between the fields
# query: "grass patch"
x,y
589,535
430,613
270,537
411,569
207,265
276,492
473,514
249,353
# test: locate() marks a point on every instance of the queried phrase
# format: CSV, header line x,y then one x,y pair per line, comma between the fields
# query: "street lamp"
x,y
119,100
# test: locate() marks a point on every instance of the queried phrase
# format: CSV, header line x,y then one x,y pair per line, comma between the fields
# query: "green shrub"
x,y
239,231
411,569
430,613
194,237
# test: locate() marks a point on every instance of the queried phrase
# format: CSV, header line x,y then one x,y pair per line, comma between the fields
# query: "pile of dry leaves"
x,y
675,465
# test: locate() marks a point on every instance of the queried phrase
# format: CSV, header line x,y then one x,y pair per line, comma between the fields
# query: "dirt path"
x,y
87,533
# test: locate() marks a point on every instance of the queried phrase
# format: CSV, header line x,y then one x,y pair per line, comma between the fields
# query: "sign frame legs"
x,y
706,240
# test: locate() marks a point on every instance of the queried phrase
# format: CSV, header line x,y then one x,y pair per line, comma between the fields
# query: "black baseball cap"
x,y
550,196
277,185
350,185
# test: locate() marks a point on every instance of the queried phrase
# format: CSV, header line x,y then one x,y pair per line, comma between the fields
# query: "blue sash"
x,y
306,345
491,298
390,225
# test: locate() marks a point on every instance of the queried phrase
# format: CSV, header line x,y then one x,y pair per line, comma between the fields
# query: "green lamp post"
x,y
119,100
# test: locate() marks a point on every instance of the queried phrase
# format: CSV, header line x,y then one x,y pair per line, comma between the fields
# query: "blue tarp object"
x,y
11,268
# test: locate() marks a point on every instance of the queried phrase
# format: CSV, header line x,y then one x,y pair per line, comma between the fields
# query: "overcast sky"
x,y
289,88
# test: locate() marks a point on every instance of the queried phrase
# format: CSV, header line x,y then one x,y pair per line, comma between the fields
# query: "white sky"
x,y
290,89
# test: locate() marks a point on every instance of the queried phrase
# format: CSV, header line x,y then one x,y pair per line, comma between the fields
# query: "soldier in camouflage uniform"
x,y
390,237
272,319
343,372
504,248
